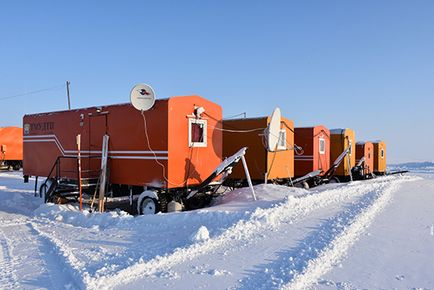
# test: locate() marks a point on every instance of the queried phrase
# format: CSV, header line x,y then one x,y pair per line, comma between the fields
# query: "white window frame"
x,y
205,134
282,134
322,140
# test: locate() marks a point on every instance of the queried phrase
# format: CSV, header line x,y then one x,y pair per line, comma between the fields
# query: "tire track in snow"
x,y
290,211
27,259
71,265
8,279
8,223
289,262
349,226
21,244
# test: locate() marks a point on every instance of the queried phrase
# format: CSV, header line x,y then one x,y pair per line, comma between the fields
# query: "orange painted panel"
x,y
194,163
280,163
11,140
312,159
380,164
341,139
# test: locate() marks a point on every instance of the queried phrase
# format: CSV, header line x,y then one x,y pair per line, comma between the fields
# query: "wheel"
x,y
334,180
298,185
302,184
162,202
198,201
16,166
148,206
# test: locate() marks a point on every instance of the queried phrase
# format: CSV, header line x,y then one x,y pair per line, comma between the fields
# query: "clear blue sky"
x,y
366,65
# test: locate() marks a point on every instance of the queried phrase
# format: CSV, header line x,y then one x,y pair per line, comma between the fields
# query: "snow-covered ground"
x,y
370,234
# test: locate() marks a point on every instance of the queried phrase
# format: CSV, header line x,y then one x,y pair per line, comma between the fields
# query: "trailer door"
x,y
97,129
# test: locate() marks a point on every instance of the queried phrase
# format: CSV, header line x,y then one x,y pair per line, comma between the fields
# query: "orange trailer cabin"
x,y
366,150
11,147
340,140
168,147
262,164
380,164
315,142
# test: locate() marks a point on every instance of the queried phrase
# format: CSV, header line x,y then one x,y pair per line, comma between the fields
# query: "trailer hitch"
x,y
223,170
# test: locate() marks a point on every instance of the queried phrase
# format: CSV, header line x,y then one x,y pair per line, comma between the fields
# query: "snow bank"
x,y
71,214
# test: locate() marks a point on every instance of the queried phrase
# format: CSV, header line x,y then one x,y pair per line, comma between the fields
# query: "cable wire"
x,y
33,92
238,131
156,158
240,114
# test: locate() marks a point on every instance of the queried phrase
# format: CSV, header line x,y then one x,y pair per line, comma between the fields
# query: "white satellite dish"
x,y
142,97
273,130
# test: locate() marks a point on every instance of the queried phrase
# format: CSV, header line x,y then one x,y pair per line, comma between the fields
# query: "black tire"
x,y
334,180
148,205
198,201
16,166
302,184
298,185
162,202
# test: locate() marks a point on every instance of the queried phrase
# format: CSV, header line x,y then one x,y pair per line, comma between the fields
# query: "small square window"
x,y
281,145
322,146
197,133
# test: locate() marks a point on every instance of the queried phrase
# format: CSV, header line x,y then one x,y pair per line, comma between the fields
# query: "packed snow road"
x,y
290,238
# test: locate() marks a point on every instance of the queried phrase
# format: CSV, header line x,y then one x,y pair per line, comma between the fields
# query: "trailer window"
x,y
382,153
322,148
281,145
197,133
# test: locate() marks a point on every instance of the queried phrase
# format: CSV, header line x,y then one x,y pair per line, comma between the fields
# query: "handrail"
x,y
330,172
56,165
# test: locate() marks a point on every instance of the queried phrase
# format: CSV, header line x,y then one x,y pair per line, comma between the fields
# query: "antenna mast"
x,y
67,93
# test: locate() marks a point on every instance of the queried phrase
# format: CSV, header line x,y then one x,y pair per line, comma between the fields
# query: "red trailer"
x,y
167,151
365,150
11,147
315,142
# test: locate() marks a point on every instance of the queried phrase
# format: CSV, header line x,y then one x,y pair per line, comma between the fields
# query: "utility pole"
x,y
67,93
